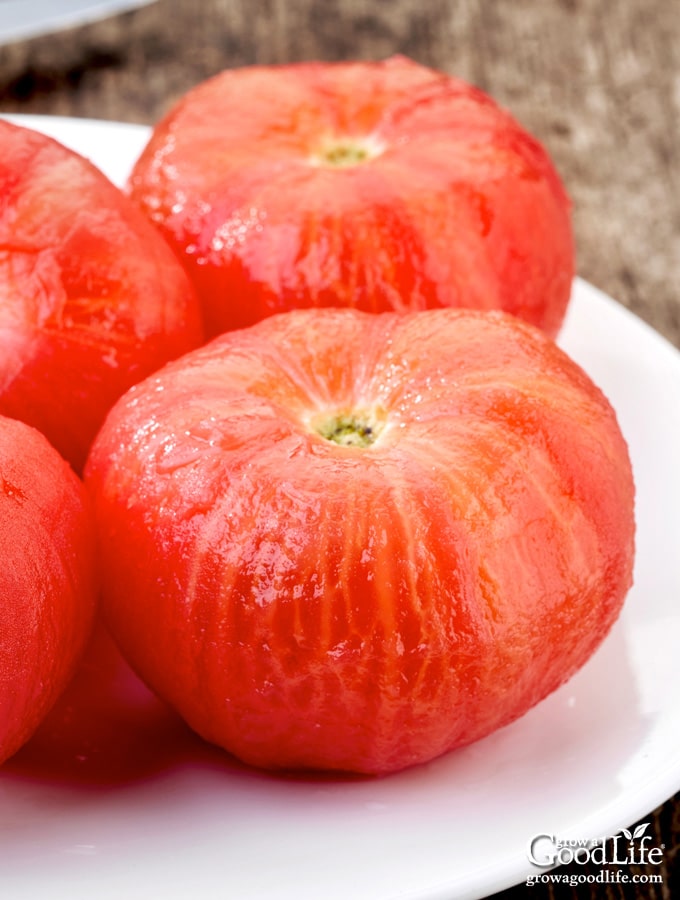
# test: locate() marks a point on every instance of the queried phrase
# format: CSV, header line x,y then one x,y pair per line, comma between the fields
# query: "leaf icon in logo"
x,y
627,834
640,830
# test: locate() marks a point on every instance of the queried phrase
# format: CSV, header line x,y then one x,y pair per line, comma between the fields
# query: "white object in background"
x,y
22,19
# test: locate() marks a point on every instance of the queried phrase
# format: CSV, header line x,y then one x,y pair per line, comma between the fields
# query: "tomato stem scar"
x,y
345,152
351,429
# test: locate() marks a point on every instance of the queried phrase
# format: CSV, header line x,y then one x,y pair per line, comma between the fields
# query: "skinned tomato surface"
x,y
380,186
48,580
106,727
345,541
91,298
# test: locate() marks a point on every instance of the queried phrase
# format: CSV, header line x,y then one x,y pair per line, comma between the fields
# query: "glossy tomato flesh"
x,y
48,579
348,541
380,186
91,298
106,727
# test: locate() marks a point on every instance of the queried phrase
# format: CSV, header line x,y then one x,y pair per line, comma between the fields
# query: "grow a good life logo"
x,y
627,848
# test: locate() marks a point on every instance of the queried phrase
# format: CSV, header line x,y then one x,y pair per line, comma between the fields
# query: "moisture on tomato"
x,y
48,579
339,540
91,297
374,185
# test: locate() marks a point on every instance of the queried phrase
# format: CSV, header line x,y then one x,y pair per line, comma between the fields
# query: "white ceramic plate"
x,y
599,754
22,19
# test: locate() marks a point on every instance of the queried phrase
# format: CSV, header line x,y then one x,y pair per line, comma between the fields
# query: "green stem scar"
x,y
345,152
351,429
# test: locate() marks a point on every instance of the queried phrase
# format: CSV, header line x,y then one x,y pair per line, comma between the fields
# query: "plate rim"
x,y
512,870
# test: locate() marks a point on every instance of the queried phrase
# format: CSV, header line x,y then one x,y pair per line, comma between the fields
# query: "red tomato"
x,y
47,579
91,298
380,186
106,727
348,541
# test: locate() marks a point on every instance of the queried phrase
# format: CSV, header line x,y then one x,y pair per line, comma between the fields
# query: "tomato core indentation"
x,y
354,429
346,152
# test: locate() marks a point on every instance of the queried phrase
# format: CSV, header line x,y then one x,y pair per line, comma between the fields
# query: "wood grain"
x,y
598,83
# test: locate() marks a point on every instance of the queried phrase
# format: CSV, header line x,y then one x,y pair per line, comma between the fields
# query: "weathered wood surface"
x,y
598,83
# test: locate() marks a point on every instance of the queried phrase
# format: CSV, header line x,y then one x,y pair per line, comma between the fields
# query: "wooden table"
x,y
598,83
